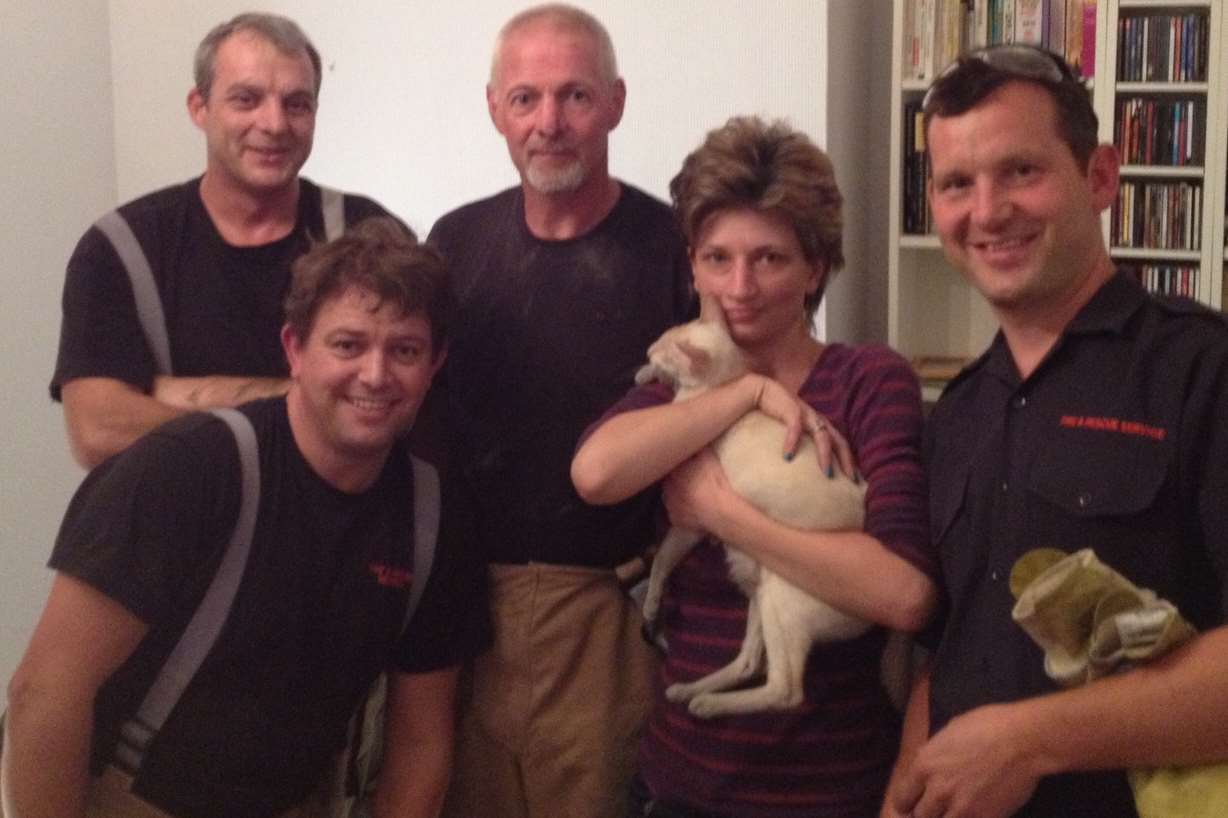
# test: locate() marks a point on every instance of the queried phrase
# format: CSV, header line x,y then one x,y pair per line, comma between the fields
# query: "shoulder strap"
x,y
426,529
144,288
332,205
203,629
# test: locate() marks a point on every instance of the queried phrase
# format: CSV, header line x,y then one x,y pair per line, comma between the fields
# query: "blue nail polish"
x,y
857,476
831,472
788,457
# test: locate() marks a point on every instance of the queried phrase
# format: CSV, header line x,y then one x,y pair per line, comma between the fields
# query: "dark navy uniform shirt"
x,y
1118,442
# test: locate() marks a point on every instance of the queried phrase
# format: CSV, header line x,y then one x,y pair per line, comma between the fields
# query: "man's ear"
x,y
293,348
196,107
1103,176
618,93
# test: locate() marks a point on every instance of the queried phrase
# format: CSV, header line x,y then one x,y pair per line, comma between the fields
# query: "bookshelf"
x,y
1161,78
934,316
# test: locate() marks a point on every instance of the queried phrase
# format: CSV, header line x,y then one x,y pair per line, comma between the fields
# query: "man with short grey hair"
x,y
563,282
173,302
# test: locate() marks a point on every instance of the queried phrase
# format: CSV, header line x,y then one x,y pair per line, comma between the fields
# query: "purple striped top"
x,y
831,756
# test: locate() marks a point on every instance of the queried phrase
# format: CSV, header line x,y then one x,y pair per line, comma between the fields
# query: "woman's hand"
x,y
799,418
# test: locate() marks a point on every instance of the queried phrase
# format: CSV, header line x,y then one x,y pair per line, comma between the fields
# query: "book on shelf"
x,y
1163,47
937,31
1168,132
1166,279
1030,21
916,210
1159,215
1087,49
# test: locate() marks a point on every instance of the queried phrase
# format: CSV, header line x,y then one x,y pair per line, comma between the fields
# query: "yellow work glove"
x,y
1091,621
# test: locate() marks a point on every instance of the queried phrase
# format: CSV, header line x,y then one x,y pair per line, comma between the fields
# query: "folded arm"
x,y
81,638
418,742
106,415
194,394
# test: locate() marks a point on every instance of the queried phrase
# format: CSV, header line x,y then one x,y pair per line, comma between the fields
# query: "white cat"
x,y
783,621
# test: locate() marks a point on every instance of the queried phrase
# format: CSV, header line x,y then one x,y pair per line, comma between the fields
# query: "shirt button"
x,y
1020,402
993,575
1084,500
1004,487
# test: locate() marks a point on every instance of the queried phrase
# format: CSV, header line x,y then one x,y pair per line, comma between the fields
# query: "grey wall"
x,y
858,97
57,174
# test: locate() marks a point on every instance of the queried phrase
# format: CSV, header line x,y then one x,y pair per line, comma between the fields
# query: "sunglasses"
x,y
1018,60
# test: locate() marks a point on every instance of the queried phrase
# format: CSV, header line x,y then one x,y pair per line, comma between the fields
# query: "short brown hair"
x,y
974,75
379,255
771,168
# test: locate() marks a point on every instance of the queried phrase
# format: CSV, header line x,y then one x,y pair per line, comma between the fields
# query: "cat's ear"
x,y
647,372
710,311
698,357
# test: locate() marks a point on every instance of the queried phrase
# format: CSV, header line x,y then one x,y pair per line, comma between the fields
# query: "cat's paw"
x,y
705,705
679,692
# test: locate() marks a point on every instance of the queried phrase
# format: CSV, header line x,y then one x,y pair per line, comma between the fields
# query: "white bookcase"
x,y
932,313
1211,92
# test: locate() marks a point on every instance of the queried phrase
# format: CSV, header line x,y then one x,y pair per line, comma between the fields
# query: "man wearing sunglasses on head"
x,y
1094,420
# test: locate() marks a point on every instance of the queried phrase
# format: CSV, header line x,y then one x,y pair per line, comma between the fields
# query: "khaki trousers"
x,y
557,703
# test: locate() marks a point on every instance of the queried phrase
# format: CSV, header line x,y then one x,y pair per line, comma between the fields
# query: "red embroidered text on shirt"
x,y
390,576
1125,427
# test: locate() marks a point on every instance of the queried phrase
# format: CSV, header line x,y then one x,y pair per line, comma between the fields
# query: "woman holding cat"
x,y
760,209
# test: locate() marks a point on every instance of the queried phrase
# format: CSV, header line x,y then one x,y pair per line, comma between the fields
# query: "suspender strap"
x,y
426,529
203,629
144,289
332,205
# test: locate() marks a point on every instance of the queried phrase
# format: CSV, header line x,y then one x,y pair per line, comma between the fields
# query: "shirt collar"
x,y
1108,311
1111,306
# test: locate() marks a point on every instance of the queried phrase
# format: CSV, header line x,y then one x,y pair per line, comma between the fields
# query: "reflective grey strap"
x,y
144,288
332,205
203,629
426,529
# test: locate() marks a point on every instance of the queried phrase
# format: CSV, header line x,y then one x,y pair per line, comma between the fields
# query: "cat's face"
x,y
694,355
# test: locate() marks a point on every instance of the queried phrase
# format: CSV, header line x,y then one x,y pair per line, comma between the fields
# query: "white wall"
x,y
403,113
57,175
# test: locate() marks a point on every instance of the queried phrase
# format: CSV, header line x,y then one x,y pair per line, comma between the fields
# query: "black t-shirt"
x,y
223,304
1118,443
549,335
316,617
